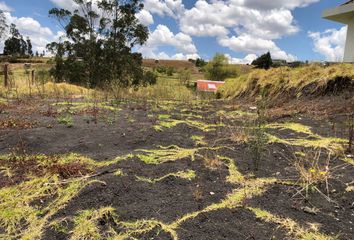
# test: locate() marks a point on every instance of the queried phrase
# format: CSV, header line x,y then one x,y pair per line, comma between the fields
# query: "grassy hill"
x,y
312,80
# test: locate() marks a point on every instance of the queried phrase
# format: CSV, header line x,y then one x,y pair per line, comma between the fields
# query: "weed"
x,y
66,120
198,193
258,139
312,171
212,161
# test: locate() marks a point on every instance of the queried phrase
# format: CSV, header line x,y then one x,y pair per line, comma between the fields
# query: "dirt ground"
x,y
171,170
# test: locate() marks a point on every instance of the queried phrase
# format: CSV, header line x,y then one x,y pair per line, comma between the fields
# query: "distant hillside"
x,y
178,64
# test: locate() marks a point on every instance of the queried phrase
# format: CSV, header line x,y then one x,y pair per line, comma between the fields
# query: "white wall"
x,y
349,46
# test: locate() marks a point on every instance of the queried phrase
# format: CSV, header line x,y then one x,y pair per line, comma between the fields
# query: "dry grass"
x,y
164,89
282,80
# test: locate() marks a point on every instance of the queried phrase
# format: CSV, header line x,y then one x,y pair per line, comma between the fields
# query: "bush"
x,y
150,78
263,62
215,70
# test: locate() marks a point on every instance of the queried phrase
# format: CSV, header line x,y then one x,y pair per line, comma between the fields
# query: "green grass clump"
x,y
329,143
234,175
66,120
296,127
170,123
166,154
86,223
75,107
199,140
188,175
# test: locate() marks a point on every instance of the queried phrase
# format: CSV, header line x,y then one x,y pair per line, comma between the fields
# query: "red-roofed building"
x,y
208,86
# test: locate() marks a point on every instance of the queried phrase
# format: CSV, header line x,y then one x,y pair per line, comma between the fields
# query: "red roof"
x,y
208,86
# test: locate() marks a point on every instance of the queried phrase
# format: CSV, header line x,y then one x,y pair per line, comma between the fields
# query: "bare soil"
x,y
105,135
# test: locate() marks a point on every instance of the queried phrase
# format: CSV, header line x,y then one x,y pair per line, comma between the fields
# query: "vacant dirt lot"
x,y
168,170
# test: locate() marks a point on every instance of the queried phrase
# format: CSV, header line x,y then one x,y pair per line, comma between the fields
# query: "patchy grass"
x,y
21,217
166,122
188,175
76,107
296,127
234,175
199,140
293,227
166,154
329,143
86,223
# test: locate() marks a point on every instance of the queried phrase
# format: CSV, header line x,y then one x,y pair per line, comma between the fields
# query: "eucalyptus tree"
x,y
98,42
15,45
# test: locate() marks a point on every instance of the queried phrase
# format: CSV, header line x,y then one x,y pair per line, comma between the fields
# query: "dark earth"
x,y
103,134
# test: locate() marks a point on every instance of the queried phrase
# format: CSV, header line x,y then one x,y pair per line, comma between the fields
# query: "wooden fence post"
x,y
6,74
33,76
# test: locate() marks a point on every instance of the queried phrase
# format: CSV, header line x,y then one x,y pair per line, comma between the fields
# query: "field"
x,y
84,165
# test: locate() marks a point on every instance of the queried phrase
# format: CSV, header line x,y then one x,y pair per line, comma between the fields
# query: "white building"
x,y
344,14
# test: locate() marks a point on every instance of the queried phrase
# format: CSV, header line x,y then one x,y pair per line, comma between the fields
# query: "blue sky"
x,y
242,29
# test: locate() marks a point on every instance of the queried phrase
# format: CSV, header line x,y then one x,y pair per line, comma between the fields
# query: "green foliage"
x,y
66,120
218,69
99,49
170,71
214,69
200,63
265,61
185,76
259,139
150,78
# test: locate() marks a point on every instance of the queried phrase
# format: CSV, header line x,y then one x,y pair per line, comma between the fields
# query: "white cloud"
x,y
145,17
40,36
171,8
330,43
248,59
269,23
165,56
66,4
235,22
253,45
162,36
290,4
5,7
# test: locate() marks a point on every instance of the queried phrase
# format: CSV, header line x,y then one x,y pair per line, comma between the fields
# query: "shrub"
x,y
150,78
264,62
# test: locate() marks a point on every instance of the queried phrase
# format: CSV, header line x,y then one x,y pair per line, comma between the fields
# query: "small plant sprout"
x,y
66,120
